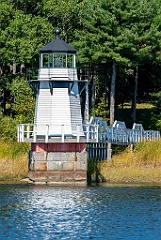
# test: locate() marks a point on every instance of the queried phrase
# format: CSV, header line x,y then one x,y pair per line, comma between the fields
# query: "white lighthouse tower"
x,y
57,152
58,100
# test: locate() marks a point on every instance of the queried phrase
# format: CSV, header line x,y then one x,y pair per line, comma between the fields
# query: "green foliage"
x,y
65,14
23,37
125,32
10,149
6,13
157,111
22,109
102,109
8,128
24,102
157,114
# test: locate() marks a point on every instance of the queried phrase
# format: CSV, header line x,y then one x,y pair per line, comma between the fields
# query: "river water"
x,y
94,212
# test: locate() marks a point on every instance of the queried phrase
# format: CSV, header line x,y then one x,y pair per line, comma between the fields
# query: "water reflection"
x,y
100,212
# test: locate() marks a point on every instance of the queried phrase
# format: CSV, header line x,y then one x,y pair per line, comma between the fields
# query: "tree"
x,y
22,39
104,39
144,39
6,14
23,101
27,6
122,33
63,14
110,36
22,109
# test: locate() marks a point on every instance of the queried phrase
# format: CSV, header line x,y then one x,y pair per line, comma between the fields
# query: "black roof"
x,y
57,45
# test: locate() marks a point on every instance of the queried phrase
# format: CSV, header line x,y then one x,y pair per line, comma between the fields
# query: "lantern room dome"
x,y
57,45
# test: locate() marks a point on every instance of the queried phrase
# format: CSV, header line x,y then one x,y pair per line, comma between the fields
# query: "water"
x,y
100,212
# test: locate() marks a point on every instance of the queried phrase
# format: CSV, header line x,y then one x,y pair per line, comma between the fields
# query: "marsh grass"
x,y
13,160
143,164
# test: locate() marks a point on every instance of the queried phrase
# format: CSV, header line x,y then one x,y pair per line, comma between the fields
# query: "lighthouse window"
x,y
51,60
70,62
60,60
46,60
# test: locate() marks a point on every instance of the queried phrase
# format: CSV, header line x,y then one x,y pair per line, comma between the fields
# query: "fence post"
x,y
62,133
47,133
22,133
34,132
19,133
28,131
78,135
87,133
97,133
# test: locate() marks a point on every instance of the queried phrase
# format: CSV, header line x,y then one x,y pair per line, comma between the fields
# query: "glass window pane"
x,y
60,60
70,61
51,60
45,60
63,60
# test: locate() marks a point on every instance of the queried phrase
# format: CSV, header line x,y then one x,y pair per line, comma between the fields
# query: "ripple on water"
x,y
46,212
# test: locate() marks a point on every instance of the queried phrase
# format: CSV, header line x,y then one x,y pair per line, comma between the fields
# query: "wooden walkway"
x,y
96,131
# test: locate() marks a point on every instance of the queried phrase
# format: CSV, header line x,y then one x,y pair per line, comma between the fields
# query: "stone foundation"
x,y
58,163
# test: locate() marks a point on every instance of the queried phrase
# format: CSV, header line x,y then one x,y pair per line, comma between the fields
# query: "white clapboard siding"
x,y
56,110
76,118
57,74
60,111
43,110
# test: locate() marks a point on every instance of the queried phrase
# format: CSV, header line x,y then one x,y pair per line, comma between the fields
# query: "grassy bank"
x,y
13,161
142,165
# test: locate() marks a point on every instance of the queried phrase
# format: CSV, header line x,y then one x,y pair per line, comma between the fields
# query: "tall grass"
x,y
148,153
13,160
143,164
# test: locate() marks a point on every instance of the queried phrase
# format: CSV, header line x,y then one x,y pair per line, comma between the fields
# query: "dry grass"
x,y
131,174
13,161
13,169
143,165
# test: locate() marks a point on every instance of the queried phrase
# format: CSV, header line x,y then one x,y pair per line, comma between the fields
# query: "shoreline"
x,y
27,181
142,166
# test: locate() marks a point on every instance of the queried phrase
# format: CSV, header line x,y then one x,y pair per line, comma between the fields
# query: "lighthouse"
x,y
57,152
58,100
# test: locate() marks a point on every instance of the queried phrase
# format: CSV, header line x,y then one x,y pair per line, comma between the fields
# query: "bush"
x,y
8,128
102,109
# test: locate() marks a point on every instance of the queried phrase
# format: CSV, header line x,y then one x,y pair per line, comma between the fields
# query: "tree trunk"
x,y
112,94
86,112
13,68
1,101
22,66
135,96
93,96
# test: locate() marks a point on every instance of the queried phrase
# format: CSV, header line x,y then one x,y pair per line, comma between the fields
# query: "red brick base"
x,y
57,147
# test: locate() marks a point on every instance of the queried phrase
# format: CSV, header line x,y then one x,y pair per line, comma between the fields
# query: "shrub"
x,y
8,128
